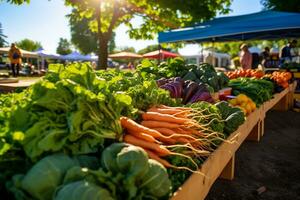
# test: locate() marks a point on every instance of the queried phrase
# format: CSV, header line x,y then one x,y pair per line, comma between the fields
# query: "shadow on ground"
x,y
274,163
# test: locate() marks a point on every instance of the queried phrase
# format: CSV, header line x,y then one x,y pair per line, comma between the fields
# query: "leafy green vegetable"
x,y
142,177
258,90
156,181
127,159
210,116
233,116
82,190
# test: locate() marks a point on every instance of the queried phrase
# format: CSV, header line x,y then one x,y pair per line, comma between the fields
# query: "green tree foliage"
x,y
156,15
2,37
106,15
83,38
282,5
29,45
148,49
64,47
18,2
168,47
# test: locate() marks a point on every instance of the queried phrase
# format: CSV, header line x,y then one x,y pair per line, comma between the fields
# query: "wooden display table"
x,y
220,164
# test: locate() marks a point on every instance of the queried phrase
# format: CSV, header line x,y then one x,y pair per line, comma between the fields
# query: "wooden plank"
x,y
262,127
228,171
283,104
255,133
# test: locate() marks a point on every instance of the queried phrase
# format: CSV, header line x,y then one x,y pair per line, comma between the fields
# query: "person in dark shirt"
x,y
285,52
265,57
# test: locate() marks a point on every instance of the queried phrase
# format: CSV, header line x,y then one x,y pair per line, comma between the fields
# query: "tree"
x,y
2,37
83,38
280,5
148,49
64,47
29,45
106,15
170,47
157,16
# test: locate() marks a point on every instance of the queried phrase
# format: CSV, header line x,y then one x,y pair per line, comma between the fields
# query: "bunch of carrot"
x,y
245,73
281,78
164,128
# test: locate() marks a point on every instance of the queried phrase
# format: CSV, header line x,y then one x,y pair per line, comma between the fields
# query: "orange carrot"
x,y
178,108
155,116
133,126
154,156
147,145
158,124
169,111
165,131
165,163
143,136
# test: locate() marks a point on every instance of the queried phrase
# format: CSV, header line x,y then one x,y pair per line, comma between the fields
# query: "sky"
x,y
45,21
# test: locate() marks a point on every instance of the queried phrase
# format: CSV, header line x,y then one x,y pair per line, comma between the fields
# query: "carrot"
x,y
147,145
155,116
142,136
165,163
165,131
177,108
180,137
154,156
169,111
158,124
191,131
133,126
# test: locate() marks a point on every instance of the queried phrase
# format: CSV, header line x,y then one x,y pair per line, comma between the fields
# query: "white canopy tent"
x,y
76,56
216,59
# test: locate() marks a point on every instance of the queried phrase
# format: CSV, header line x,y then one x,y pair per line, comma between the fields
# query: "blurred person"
x,y
130,66
285,53
265,57
15,57
245,57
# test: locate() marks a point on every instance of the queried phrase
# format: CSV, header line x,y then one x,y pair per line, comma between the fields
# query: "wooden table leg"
x,y
255,133
228,171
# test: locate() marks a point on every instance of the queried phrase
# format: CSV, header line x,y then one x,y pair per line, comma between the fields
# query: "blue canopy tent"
x,y
255,26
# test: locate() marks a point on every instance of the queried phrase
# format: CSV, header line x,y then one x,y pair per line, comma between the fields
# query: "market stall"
x,y
164,131
160,54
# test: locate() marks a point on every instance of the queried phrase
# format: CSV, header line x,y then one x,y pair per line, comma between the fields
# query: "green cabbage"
x,y
156,181
82,190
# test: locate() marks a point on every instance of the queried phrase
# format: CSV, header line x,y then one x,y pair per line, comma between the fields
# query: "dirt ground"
x,y
273,163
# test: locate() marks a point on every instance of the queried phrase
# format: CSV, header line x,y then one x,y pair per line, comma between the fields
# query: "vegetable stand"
x,y
101,122
220,164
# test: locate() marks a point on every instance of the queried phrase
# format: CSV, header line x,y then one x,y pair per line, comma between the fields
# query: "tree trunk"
x,y
102,41
102,52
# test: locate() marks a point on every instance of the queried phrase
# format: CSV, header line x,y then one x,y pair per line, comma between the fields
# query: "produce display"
x,y
84,134
280,78
243,102
204,73
245,73
258,90
291,65
189,91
